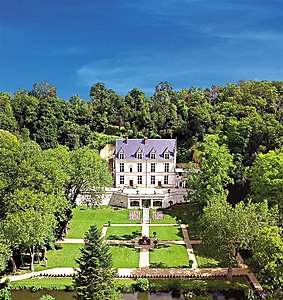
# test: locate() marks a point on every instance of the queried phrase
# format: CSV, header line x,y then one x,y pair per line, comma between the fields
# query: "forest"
x,y
234,131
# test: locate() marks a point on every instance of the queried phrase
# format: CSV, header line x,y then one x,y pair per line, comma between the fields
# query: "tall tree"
x,y
234,229
266,177
88,172
7,118
96,276
215,164
30,218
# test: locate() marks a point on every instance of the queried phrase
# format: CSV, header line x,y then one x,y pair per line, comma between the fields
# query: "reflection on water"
x,y
151,296
61,295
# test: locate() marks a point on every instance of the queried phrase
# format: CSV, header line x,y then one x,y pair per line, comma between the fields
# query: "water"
x,y
61,295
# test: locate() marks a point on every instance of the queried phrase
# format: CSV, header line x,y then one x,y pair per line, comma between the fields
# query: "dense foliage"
x,y
37,191
234,132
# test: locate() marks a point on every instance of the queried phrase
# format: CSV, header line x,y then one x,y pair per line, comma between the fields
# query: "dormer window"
x,y
139,154
152,154
167,154
121,154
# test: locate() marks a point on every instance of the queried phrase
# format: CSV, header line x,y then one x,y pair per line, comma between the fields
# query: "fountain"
x,y
145,242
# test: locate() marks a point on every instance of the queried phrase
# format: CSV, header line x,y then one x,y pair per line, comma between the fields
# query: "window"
x,y
131,168
152,155
139,155
166,155
152,167
139,167
139,179
122,179
122,167
166,179
152,179
121,155
166,167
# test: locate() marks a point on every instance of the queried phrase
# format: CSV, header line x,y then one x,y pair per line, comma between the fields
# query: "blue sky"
x,y
73,44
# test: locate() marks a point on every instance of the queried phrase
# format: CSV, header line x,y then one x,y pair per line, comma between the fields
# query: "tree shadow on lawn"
x,y
186,213
125,237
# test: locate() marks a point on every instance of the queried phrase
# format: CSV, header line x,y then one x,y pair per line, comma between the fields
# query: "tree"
x,y
96,276
88,172
267,259
7,119
235,229
30,218
5,251
266,177
215,163
42,90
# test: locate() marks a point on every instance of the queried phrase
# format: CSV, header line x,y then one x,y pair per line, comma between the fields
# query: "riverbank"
x,y
193,286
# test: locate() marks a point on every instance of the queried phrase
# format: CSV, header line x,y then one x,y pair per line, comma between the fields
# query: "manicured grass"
x,y
122,232
125,257
210,258
63,256
46,283
167,233
167,219
84,217
169,256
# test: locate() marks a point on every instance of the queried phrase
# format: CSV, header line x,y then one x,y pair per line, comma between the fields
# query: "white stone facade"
x,y
146,163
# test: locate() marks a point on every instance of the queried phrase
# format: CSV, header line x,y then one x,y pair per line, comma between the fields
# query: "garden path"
x,y
189,246
144,253
70,241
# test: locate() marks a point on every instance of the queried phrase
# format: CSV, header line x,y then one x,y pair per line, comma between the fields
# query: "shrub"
x,y
5,294
69,288
142,284
46,297
35,288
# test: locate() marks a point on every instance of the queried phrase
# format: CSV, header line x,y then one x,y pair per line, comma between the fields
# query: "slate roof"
x,y
131,146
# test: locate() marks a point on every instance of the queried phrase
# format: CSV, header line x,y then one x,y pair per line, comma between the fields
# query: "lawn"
x,y
168,256
187,213
210,258
84,217
63,256
167,219
46,283
125,257
167,233
122,232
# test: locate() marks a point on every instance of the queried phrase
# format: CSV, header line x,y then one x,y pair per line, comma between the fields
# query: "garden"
x,y
126,256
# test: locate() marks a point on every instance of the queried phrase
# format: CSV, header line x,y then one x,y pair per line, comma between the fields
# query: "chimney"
x,y
145,140
126,140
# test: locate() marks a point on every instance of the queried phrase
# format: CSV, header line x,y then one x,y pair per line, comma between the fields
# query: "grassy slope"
x,y
210,258
63,256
